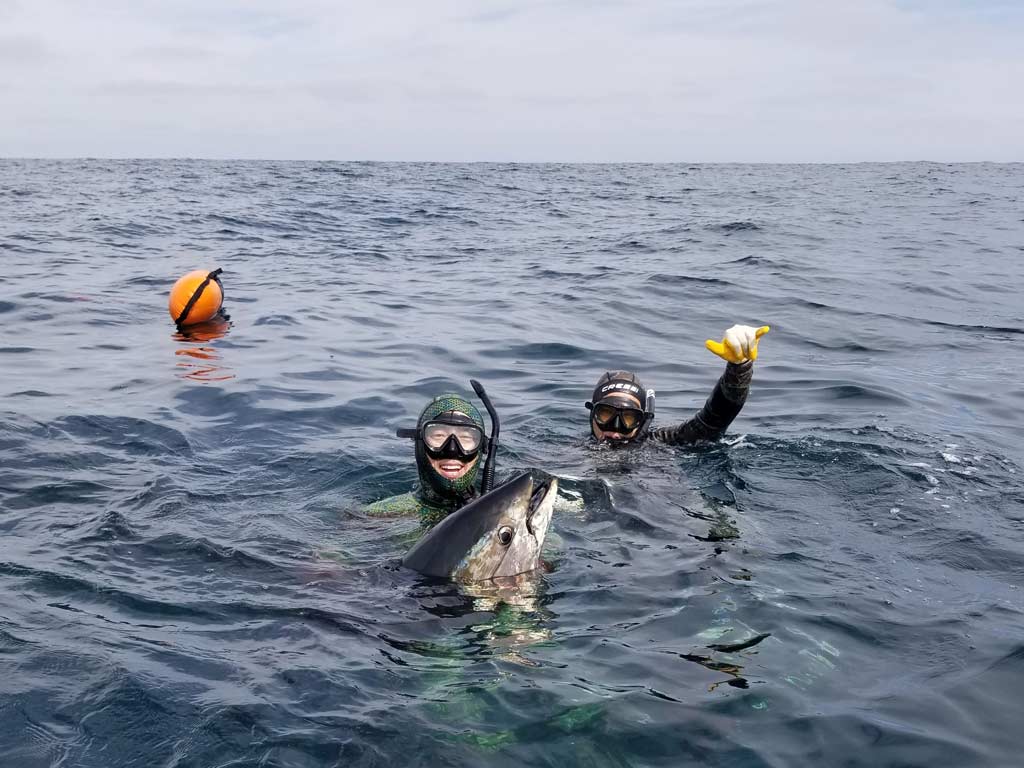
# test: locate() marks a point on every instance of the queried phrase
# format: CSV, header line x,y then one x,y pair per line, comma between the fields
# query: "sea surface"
x,y
187,578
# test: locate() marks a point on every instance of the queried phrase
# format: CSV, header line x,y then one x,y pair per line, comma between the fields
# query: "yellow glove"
x,y
739,343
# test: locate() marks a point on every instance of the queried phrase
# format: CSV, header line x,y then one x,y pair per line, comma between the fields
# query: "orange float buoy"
x,y
196,297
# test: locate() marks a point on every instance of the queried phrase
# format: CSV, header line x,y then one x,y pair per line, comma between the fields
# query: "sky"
x,y
522,80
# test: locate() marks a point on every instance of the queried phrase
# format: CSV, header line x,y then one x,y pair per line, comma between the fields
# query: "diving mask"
x,y
451,436
614,418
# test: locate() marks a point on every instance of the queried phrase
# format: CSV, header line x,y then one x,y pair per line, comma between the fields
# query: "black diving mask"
x,y
613,418
621,418
452,438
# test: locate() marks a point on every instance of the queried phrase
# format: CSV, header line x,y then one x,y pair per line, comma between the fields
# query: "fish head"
x,y
500,534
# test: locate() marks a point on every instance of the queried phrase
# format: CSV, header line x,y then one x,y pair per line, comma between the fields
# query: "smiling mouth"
x,y
451,469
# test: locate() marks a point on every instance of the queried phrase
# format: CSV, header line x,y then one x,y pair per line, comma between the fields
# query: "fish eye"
x,y
505,535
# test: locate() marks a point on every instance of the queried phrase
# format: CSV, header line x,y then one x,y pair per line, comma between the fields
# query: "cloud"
x,y
22,52
689,80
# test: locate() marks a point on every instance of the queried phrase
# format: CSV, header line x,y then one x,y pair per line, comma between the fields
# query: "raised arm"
x,y
739,349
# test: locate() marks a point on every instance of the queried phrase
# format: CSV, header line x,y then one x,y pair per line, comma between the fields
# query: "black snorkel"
x,y
487,482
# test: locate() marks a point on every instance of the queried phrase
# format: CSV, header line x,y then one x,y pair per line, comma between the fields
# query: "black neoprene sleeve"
x,y
721,408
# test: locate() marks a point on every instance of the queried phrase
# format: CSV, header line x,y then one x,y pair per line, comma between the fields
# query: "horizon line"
x,y
203,158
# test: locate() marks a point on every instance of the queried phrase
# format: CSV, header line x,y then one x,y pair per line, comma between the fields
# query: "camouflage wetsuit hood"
x,y
435,497
434,487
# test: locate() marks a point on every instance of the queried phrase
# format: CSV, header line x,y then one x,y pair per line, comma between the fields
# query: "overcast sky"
x,y
570,80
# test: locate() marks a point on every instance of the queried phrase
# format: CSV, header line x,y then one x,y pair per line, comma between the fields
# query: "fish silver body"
x,y
497,535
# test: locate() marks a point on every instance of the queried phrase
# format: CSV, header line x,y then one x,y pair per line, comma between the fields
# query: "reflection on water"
x,y
504,616
515,616
198,359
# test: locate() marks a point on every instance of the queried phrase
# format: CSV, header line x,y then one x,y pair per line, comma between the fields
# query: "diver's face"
x,y
438,435
620,400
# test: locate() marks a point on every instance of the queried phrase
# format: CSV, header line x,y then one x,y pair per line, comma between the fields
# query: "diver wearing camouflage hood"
x,y
621,409
450,439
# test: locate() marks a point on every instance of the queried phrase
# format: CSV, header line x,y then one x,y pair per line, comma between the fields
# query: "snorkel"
x,y
488,476
649,408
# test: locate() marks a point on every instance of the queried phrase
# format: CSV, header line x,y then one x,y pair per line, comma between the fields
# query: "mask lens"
x,y
603,413
627,419
435,435
630,418
468,437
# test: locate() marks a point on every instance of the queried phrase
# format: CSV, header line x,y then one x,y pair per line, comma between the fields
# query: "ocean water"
x,y
186,577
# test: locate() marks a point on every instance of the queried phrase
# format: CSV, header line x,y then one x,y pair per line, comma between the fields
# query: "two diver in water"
x,y
450,439
478,536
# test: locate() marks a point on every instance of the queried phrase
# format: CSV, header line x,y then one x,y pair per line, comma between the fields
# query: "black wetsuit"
x,y
721,408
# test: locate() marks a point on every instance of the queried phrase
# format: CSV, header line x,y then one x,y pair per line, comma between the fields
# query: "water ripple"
x,y
188,578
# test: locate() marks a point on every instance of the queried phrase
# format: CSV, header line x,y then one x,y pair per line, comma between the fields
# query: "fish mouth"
x,y
540,492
